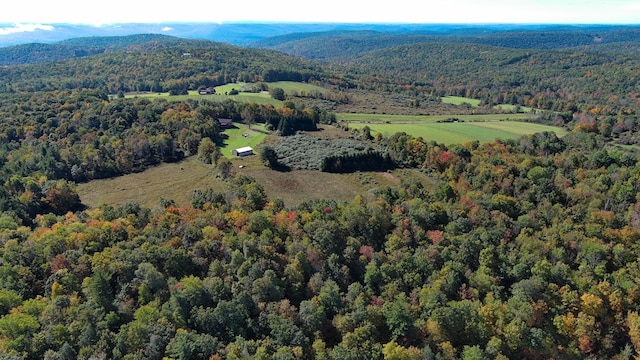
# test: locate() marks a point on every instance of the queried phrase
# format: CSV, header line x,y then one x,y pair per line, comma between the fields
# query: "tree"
x,y
208,152
277,93
225,168
61,196
248,116
398,317
269,157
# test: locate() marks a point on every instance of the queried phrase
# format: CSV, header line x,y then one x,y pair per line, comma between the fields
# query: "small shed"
x,y
243,151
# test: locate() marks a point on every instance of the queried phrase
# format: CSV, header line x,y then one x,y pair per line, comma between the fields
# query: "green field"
x,y
258,98
384,118
458,100
240,135
451,133
291,87
222,93
509,107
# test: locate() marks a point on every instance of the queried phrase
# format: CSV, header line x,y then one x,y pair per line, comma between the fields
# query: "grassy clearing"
x,y
627,147
258,98
513,108
222,93
458,100
240,135
383,118
174,181
178,181
291,87
452,133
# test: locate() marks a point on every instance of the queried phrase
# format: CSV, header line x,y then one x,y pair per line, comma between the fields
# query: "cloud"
x,y
18,28
167,28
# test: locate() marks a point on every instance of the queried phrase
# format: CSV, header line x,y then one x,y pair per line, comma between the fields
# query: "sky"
x,y
23,14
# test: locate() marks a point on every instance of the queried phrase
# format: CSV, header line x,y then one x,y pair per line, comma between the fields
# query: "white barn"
x,y
243,151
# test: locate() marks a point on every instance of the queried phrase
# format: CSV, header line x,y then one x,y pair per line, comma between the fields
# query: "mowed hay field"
x,y
386,118
222,93
452,133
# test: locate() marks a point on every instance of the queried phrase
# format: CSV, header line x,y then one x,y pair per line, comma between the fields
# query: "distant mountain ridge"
x,y
248,32
232,33
343,44
86,46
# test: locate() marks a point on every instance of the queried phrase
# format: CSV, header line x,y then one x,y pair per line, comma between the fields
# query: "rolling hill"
x,y
143,62
340,44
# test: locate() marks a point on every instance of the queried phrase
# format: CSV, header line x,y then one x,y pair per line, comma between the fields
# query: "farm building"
x,y
243,151
224,123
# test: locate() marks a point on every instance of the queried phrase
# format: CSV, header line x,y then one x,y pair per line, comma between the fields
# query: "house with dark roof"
x,y
224,123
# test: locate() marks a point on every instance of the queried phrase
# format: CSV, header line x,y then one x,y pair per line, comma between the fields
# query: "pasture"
x,y
290,88
458,100
174,181
244,97
513,108
177,181
384,118
452,133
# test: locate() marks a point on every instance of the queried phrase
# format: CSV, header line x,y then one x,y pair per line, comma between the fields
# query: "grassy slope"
x,y
170,181
457,100
291,86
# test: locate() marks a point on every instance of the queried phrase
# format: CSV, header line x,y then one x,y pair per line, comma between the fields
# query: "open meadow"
x,y
458,100
240,136
396,119
222,93
177,181
451,133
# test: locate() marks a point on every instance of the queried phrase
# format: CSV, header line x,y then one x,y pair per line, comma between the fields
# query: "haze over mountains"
x,y
247,33
234,33
21,44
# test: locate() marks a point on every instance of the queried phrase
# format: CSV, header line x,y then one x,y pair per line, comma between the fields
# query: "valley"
x,y
408,192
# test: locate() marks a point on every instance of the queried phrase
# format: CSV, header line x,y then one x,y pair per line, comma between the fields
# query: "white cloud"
x,y
18,28
167,28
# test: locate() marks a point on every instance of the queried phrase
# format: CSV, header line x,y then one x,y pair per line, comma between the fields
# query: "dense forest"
x,y
526,249
513,249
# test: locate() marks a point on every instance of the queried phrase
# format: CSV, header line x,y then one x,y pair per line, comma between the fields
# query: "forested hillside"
x,y
340,44
159,66
80,47
512,249
560,80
